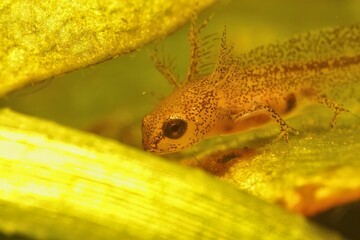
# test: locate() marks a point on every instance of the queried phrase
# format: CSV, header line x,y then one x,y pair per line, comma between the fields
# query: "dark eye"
x,y
174,128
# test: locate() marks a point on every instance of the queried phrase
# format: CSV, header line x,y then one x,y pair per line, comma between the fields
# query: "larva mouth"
x,y
150,144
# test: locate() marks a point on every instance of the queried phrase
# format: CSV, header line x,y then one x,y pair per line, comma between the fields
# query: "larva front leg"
x,y
271,113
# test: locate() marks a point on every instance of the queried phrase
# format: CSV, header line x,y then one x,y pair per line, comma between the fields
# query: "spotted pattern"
x,y
267,81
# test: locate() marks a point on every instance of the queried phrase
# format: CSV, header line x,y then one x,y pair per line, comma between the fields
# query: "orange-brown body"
x,y
247,91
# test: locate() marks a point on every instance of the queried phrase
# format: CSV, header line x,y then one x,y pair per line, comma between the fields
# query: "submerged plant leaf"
x,y
58,183
318,169
41,39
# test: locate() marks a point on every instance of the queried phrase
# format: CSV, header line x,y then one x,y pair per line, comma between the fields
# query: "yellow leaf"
x,y
58,183
40,39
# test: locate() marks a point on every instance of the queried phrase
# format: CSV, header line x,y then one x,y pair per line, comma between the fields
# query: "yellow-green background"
x,y
116,88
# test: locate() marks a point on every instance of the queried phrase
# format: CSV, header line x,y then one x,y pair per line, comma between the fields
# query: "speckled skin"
x,y
246,91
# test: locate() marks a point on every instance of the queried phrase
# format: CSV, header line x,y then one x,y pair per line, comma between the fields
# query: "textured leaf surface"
x,y
41,39
317,170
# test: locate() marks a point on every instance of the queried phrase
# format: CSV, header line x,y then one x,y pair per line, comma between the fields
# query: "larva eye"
x,y
174,128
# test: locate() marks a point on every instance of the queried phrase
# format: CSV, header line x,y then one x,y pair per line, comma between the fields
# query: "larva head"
x,y
179,121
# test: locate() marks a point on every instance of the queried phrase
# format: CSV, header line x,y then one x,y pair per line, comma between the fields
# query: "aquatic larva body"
x,y
246,91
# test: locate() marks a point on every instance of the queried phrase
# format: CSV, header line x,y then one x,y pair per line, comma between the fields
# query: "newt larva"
x,y
247,91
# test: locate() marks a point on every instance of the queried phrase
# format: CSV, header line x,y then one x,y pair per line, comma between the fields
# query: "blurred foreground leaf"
x,y
42,39
58,183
